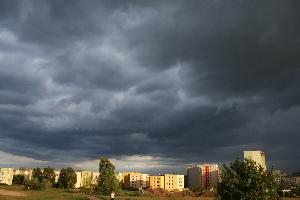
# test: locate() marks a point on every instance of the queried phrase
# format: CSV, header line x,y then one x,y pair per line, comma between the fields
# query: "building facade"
x,y
194,177
95,177
210,175
156,182
174,182
57,173
144,180
6,175
26,172
86,178
257,156
133,180
78,183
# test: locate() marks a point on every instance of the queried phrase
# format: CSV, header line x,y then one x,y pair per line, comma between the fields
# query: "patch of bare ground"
x,y
4,192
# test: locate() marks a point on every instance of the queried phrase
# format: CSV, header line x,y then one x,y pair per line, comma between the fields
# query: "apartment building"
x,y
156,181
210,175
144,180
86,178
133,180
57,173
26,172
194,176
95,177
257,156
174,182
78,183
6,175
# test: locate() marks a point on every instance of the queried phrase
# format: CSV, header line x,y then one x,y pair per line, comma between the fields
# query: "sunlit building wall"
x,y
6,175
174,182
156,182
256,156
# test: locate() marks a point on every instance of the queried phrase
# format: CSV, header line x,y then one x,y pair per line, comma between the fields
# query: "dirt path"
x,y
11,193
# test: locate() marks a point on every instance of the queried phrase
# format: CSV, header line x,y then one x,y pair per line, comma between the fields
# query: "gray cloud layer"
x,y
195,80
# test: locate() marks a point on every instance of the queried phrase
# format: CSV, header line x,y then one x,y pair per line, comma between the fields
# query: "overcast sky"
x,y
153,85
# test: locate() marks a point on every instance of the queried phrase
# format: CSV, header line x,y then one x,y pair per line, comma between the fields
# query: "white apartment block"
x,y
144,182
257,156
57,173
6,176
133,180
174,182
95,177
86,178
26,172
78,183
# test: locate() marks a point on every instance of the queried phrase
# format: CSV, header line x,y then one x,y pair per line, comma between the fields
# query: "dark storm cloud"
x,y
195,81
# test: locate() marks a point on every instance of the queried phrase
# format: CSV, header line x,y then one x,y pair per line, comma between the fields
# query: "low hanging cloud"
x,y
177,82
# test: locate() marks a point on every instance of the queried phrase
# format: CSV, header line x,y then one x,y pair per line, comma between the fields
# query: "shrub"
x,y
18,179
35,184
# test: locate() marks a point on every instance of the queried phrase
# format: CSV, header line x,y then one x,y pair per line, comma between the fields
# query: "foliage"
x,y
107,181
247,181
50,194
296,191
18,179
35,184
38,174
67,178
197,189
49,174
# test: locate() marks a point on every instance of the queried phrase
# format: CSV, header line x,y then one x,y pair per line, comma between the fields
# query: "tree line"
x,y
242,180
43,179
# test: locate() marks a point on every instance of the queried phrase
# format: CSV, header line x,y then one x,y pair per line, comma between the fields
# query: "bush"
x,y
18,179
296,191
35,184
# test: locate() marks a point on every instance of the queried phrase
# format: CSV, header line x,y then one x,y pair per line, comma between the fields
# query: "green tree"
x,y
49,174
38,174
247,181
18,179
35,184
67,178
107,181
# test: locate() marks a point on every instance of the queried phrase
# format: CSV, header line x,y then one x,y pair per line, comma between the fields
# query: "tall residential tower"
x,y
257,156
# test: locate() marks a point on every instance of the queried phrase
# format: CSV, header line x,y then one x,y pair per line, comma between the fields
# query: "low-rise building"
x,y
144,180
278,175
287,181
6,175
156,181
133,180
174,182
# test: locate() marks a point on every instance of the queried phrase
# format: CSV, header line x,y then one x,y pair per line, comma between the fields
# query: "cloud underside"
x,y
195,81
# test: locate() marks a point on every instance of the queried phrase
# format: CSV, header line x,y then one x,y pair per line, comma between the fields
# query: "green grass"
x,y
59,194
51,194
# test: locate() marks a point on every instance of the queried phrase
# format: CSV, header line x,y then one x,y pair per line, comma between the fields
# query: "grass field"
x,y
17,193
